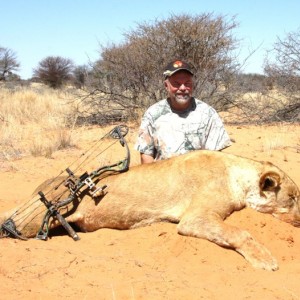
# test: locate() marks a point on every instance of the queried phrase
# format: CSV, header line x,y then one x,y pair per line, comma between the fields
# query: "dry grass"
x,y
282,139
275,143
34,121
257,108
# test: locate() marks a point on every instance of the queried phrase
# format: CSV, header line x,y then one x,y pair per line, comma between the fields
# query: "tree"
x,y
8,63
54,71
80,75
129,74
284,72
287,57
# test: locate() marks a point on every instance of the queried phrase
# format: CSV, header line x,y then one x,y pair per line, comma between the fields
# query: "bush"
x,y
54,71
129,75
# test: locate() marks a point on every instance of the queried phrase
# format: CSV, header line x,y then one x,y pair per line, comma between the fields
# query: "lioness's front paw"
x,y
258,256
269,264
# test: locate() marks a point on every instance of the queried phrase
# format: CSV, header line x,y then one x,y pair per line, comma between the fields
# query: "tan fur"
x,y
197,191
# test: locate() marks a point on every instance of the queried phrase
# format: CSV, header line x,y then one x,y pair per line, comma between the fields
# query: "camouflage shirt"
x,y
164,132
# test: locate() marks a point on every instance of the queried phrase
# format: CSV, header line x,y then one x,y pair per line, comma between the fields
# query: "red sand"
x,y
152,262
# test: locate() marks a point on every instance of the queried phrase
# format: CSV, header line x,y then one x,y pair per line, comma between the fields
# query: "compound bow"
x,y
75,185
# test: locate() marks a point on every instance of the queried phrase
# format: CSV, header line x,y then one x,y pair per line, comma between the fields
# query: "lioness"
x,y
197,191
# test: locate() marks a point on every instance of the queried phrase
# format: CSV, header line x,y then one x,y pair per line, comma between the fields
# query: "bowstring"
x,y
99,153
80,157
29,214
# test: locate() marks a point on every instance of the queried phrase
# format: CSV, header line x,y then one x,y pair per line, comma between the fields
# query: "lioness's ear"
x,y
269,181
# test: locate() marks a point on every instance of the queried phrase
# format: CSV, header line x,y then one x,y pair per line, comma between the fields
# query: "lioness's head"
x,y
280,196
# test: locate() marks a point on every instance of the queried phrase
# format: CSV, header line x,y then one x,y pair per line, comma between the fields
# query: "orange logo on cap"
x,y
177,64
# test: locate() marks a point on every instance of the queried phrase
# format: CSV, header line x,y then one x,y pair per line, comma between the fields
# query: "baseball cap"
x,y
176,66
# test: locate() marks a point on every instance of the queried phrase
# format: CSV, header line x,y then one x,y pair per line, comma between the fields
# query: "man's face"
x,y
180,87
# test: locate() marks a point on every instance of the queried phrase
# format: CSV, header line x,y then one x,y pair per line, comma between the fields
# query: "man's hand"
x,y
146,159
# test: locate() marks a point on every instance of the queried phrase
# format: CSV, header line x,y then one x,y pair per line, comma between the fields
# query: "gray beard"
x,y
182,99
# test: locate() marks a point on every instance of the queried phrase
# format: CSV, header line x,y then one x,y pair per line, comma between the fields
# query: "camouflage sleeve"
x,y
145,141
216,137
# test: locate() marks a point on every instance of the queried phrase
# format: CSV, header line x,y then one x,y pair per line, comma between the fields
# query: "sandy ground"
x,y
152,262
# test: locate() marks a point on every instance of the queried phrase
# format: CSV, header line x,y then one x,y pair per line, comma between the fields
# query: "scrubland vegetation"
x,y
40,115
36,120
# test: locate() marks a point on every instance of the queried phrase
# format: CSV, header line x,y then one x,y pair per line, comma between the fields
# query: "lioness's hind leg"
x,y
210,226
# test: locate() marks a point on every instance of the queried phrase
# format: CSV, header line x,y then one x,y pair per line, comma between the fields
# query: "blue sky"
x,y
73,29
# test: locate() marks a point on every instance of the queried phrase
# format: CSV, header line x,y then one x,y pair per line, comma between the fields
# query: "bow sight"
x,y
75,185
